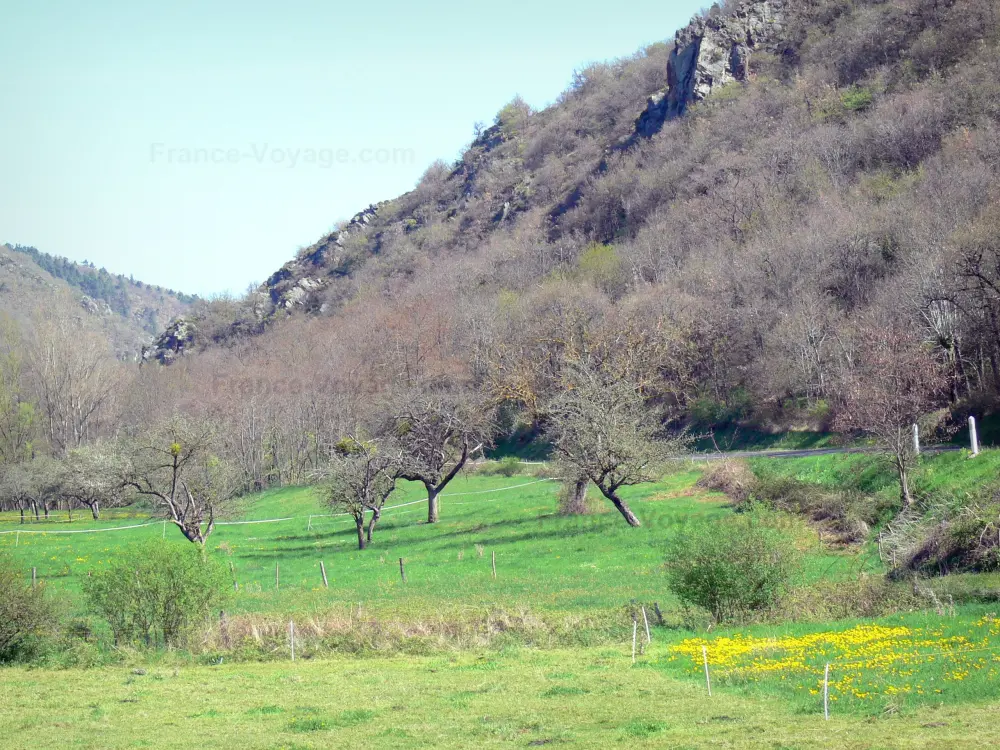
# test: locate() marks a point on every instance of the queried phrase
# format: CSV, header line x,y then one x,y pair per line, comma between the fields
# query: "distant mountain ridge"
x,y
130,311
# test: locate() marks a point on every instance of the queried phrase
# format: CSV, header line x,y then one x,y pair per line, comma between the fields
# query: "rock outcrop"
x,y
172,343
712,51
292,284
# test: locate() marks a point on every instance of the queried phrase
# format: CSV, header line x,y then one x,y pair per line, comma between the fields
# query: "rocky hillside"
x,y
743,196
130,312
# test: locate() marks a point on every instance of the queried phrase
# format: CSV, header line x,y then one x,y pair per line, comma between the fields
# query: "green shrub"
x,y
508,467
151,592
857,99
733,569
25,613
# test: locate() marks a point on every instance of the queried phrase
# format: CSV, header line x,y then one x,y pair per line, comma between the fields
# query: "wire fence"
x,y
310,517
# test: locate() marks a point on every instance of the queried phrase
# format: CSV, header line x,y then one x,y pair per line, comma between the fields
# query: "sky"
x,y
199,145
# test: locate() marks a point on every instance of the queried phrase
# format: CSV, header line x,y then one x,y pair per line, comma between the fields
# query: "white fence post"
x,y
826,693
973,436
916,440
708,680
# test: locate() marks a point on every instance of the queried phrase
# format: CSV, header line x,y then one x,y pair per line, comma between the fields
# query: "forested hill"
x,y
129,311
723,212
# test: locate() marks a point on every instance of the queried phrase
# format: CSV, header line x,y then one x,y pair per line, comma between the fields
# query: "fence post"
x,y
322,569
916,439
291,636
402,570
708,680
277,576
826,693
34,577
973,436
645,621
494,565
232,569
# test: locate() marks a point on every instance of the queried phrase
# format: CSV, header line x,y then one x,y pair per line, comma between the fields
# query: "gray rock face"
x,y
711,52
292,283
172,343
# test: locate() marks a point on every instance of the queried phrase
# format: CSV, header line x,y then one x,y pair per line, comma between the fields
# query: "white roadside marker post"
x,y
916,440
973,437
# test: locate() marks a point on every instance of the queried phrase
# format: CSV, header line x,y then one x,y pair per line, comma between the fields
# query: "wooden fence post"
x,y
635,630
277,576
645,621
34,577
494,565
291,637
322,569
402,570
232,569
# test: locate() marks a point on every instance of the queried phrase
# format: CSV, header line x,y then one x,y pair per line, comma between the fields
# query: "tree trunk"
x,y
574,502
372,522
622,507
432,505
904,485
360,521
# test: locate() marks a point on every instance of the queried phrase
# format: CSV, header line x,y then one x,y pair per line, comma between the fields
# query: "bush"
x,y
733,569
151,592
25,613
732,478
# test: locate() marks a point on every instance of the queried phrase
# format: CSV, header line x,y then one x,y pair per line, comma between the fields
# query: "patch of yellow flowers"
x,y
866,661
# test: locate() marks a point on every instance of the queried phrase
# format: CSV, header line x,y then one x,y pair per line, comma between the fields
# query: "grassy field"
x,y
890,685
545,562
587,698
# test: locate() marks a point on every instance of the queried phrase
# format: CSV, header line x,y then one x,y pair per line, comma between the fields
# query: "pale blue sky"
x,y
102,104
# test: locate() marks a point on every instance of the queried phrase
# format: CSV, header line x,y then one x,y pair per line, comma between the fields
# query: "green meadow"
x,y
539,655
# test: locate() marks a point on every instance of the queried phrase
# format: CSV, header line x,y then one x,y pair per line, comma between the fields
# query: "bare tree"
x,y
438,433
891,381
176,465
18,414
92,477
601,427
358,480
74,373
31,486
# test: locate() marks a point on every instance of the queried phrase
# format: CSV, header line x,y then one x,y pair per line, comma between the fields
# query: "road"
x,y
805,453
